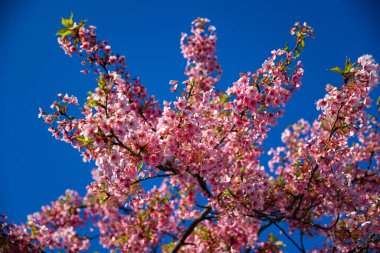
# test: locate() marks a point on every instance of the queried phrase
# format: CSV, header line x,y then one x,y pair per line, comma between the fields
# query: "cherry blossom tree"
x,y
214,194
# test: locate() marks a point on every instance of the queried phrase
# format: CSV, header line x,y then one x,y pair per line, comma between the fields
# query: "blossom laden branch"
x,y
204,151
190,229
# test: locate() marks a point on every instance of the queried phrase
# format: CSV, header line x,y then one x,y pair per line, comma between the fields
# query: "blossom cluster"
x,y
214,194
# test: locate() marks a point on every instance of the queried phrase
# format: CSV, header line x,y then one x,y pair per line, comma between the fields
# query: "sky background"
x,y
36,169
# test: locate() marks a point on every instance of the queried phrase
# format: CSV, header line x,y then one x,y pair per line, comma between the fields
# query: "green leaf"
x,y
348,167
204,237
64,32
286,48
343,127
141,216
85,142
81,23
348,66
337,70
68,22
148,234
228,192
168,247
164,200
347,61
297,164
272,239
34,231
205,234
203,229
103,197
92,102
298,52
280,182
223,98
102,82
192,83
302,44
122,239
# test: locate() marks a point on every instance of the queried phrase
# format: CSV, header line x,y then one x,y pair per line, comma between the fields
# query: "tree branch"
x,y
202,184
121,144
287,236
190,229
264,227
146,121
156,176
301,240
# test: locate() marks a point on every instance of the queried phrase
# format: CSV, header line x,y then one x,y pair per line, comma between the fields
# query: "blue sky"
x,y
36,169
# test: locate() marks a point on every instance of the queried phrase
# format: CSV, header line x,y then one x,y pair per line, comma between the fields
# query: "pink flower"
x,y
112,60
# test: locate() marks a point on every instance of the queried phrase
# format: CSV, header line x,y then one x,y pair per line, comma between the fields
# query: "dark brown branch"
x,y
70,118
187,105
156,176
167,167
264,227
369,163
93,237
290,239
202,184
325,228
190,229
333,128
301,240
125,210
102,64
224,137
371,156
119,143
146,121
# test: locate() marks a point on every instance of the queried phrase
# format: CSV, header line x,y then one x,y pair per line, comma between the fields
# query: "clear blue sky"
x,y
36,169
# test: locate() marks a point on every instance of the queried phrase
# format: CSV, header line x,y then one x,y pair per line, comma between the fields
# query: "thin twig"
x,y
146,121
264,227
301,240
287,236
156,176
